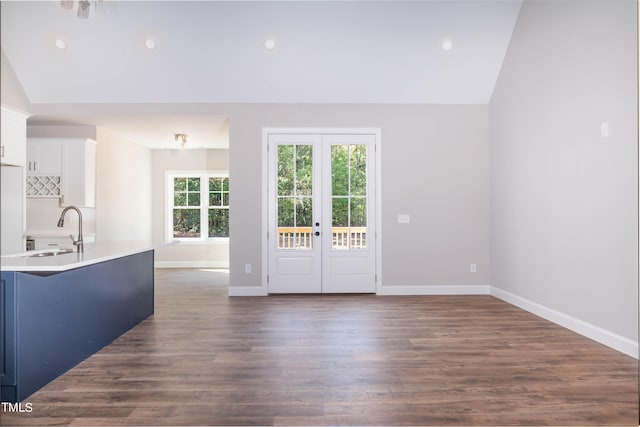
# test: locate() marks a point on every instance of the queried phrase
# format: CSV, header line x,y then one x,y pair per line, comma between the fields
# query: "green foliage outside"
x,y
186,223
219,222
348,185
219,198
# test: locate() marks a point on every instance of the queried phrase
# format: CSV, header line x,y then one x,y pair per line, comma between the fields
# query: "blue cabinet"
x,y
7,338
53,321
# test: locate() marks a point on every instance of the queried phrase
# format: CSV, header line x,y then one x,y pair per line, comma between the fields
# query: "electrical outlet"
x,y
247,268
473,268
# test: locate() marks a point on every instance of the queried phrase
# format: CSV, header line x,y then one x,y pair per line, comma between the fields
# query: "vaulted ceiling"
x,y
214,51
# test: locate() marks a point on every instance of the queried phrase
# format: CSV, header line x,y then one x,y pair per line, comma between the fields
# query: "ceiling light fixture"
x,y
150,43
181,138
446,44
60,43
269,44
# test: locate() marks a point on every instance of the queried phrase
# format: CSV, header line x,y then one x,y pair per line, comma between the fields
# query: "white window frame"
x,y
204,205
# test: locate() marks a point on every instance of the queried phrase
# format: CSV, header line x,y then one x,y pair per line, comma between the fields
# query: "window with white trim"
x,y
197,206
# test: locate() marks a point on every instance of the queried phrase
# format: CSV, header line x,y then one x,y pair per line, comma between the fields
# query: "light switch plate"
x,y
404,219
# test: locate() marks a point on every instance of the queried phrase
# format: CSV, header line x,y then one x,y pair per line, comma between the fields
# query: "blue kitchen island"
x,y
55,311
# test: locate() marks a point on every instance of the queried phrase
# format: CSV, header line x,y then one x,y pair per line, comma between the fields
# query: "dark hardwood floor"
x,y
206,359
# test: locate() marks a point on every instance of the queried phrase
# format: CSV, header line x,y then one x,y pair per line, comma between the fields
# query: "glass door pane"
x,y
295,196
349,196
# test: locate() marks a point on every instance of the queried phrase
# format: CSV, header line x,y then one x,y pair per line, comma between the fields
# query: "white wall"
x,y
210,254
12,214
564,216
435,167
123,196
11,91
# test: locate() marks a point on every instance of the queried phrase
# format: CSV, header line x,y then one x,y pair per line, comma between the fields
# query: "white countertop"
x,y
93,254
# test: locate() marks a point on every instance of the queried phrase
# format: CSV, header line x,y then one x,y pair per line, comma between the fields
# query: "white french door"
x,y
321,213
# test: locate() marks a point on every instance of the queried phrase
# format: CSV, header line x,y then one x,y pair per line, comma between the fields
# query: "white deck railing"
x,y
341,237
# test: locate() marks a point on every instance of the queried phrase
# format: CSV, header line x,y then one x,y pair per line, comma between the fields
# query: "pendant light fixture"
x,y
181,138
84,7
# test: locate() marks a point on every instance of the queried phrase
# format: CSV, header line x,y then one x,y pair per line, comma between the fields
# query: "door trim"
x,y
377,133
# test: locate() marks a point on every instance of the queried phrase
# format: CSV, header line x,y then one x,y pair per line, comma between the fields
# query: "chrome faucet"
x,y
79,243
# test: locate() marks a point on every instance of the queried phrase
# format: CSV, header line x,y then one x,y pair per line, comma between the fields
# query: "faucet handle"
x,y
75,242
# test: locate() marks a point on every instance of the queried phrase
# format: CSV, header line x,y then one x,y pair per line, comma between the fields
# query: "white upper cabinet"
x,y
63,168
13,137
44,156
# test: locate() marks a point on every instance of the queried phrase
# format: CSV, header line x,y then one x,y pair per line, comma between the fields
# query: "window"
x,y
218,207
198,206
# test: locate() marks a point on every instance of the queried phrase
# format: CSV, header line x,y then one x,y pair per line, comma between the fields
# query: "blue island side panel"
x,y
7,338
66,317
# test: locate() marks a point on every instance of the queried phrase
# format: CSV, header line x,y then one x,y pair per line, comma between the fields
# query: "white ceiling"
x,y
213,52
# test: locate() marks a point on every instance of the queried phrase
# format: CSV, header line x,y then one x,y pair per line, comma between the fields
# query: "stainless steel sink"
x,y
53,252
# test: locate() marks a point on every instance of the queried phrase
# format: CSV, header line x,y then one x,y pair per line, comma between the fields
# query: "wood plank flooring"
x,y
206,359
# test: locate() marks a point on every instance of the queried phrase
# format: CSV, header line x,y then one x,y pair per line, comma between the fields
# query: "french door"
x,y
321,207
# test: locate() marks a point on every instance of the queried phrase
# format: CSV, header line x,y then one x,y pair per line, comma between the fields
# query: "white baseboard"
x,y
434,290
237,291
247,291
191,264
596,333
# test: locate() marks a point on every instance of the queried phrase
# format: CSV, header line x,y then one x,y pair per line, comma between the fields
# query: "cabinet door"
x,y
13,137
7,331
44,157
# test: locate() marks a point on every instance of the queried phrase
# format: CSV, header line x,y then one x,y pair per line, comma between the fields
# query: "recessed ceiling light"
x,y
150,43
446,44
60,43
269,44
